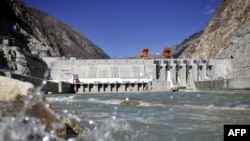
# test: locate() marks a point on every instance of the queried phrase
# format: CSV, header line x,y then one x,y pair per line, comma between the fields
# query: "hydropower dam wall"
x,y
142,75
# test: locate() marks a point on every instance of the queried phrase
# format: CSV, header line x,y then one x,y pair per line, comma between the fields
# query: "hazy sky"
x,y
125,27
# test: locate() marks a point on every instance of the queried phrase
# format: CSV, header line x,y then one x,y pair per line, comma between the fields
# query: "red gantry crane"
x,y
145,53
167,53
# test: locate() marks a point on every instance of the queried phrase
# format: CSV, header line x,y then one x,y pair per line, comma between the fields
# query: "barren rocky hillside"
x,y
187,43
227,34
39,35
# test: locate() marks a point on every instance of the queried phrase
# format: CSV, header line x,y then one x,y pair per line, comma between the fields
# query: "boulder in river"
x,y
130,103
19,102
11,88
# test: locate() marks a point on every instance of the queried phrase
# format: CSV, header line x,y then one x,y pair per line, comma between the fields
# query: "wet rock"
x,y
73,129
36,107
130,103
17,99
70,128
39,110
11,88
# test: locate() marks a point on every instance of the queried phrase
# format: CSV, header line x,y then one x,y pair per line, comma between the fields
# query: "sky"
x,y
123,28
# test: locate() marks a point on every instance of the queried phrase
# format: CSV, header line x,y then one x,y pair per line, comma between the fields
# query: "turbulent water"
x,y
180,116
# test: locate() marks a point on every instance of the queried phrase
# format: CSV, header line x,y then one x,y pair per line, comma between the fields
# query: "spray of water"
x,y
23,127
20,126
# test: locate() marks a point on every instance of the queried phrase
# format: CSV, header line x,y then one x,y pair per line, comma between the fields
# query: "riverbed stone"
x,y
41,109
11,88
44,112
16,96
130,103
73,128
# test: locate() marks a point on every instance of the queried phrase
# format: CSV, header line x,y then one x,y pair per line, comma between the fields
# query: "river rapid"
x,y
164,116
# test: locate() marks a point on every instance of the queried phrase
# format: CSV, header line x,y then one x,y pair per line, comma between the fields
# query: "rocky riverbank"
x,y
27,116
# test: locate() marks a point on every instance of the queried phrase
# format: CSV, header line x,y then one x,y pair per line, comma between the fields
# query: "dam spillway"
x,y
137,75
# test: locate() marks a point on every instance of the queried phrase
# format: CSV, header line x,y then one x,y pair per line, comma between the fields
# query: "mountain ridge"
x,y
226,34
37,35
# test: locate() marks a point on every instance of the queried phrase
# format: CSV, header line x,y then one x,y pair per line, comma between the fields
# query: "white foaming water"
x,y
105,131
241,107
60,98
109,101
118,102
160,116
148,104
23,125
24,129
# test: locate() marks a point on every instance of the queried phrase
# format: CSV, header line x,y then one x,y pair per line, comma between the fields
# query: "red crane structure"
x,y
167,53
145,53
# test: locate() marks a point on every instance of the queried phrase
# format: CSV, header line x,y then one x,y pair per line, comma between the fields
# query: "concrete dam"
x,y
141,75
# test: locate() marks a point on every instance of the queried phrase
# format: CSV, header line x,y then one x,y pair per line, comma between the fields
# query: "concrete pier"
x,y
110,87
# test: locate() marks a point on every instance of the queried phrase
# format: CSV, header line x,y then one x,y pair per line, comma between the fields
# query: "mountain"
x,y
40,30
227,35
38,35
190,42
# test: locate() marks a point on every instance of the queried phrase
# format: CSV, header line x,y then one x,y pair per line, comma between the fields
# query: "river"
x,y
163,116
